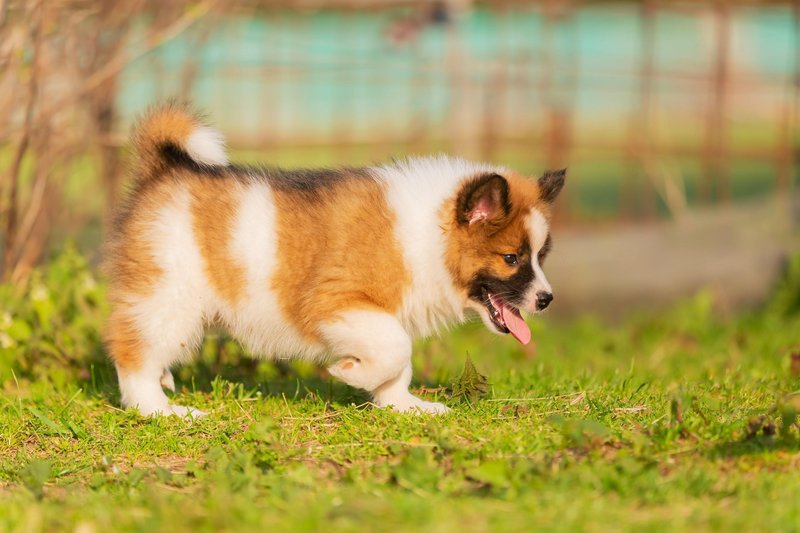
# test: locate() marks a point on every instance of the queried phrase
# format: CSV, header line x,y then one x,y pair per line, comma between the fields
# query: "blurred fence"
x,y
654,106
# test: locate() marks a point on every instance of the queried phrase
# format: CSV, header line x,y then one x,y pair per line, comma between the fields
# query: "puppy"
x,y
339,266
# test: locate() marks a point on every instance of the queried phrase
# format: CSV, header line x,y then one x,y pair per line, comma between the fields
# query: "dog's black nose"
x,y
543,299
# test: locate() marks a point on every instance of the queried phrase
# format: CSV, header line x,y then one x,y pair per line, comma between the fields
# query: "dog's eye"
x,y
510,259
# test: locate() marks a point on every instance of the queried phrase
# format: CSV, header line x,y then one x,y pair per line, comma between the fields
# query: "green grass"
x,y
679,420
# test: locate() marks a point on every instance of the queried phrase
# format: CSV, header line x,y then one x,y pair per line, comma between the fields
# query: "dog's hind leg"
x,y
143,360
167,380
375,354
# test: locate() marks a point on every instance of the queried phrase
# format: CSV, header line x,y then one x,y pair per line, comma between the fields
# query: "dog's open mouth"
x,y
506,318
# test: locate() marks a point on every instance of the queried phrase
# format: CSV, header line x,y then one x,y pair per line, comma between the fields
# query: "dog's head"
x,y
498,238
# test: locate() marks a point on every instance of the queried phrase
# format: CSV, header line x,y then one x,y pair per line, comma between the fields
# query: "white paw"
x,y
351,371
433,408
167,381
183,412
409,403
170,410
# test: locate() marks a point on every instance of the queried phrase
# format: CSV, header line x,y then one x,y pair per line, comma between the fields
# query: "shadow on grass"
x,y
281,380
219,361
755,446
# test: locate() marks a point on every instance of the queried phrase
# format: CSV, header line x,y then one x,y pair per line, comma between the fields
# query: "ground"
x,y
680,420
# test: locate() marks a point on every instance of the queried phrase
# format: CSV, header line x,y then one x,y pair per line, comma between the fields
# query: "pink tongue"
x,y
515,324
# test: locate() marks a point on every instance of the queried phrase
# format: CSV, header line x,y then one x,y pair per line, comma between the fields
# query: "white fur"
x,y
538,229
206,145
416,190
373,347
167,380
258,321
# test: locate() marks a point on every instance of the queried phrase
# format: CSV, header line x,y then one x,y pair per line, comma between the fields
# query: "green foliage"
x,y
471,384
787,296
672,421
50,327
35,475
788,407
581,433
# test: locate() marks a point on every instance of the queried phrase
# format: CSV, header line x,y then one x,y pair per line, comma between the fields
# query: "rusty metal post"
x,y
495,93
462,114
640,148
717,168
558,129
794,155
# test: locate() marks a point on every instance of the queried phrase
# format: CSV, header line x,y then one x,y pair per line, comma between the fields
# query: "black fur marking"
x,y
479,187
511,289
551,183
174,155
545,250
306,181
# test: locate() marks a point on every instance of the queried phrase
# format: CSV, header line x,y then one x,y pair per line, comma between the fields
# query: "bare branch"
x,y
11,211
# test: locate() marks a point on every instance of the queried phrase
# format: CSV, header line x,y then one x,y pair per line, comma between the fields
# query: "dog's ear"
x,y
550,184
483,200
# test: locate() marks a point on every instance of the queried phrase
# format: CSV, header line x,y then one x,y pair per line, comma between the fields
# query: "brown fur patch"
x,y
168,124
213,207
337,251
123,342
471,249
129,260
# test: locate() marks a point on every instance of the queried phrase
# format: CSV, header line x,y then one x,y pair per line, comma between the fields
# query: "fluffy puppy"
x,y
340,266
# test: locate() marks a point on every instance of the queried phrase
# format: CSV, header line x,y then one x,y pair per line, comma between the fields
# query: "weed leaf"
x,y
53,427
471,385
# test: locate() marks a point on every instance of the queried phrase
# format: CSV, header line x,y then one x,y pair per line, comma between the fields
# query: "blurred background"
x,y
678,121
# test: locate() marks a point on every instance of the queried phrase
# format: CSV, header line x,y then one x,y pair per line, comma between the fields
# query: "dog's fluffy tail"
x,y
171,134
